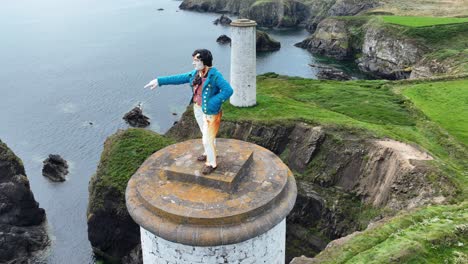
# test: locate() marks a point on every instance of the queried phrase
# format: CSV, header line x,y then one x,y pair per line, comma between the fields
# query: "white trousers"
x,y
209,126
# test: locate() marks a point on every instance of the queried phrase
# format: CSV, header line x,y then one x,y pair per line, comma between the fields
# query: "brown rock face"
x,y
22,233
330,39
387,55
265,42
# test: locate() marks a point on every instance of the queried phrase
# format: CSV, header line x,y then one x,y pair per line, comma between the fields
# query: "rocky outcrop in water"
x,y
223,20
136,118
55,168
22,223
265,43
332,74
223,39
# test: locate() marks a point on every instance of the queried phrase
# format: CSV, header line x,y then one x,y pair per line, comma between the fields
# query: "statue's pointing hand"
x,y
153,84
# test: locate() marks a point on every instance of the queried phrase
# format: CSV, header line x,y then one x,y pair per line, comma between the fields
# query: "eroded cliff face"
x,y
22,223
345,179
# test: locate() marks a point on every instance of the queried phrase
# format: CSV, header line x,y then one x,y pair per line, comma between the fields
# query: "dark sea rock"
x,y
266,43
23,234
223,20
223,39
331,73
55,168
135,118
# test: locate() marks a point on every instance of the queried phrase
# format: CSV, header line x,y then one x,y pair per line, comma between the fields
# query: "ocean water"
x,y
69,71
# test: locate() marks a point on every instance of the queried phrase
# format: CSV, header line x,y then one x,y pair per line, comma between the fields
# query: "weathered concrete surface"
x,y
231,169
199,215
268,248
243,63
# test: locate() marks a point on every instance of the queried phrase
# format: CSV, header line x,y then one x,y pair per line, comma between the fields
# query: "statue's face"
x,y
197,63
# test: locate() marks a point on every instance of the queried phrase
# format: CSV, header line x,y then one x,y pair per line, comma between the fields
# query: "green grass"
x,y
427,235
123,154
423,21
361,103
445,103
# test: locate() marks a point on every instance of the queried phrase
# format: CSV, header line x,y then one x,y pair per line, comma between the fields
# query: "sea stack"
x,y
243,63
236,214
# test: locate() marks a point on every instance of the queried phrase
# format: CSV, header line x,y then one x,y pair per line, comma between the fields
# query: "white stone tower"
x,y
234,215
243,63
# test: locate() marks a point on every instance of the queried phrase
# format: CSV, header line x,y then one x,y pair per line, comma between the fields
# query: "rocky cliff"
x,y
387,54
113,234
332,39
22,223
282,13
390,51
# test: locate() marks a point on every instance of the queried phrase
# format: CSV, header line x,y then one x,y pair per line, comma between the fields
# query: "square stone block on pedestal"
x,y
232,167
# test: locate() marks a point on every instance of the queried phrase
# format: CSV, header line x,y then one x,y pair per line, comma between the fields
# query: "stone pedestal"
x,y
243,63
234,215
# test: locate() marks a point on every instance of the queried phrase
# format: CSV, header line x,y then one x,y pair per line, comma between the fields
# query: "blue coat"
x,y
215,91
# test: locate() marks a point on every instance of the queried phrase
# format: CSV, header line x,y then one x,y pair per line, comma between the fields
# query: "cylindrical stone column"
x,y
234,215
243,63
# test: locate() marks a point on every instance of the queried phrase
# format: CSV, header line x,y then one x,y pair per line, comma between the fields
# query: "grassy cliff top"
x,y
123,154
423,21
433,234
407,111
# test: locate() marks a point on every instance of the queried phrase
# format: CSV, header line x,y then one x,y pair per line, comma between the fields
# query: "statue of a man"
x,y
210,91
